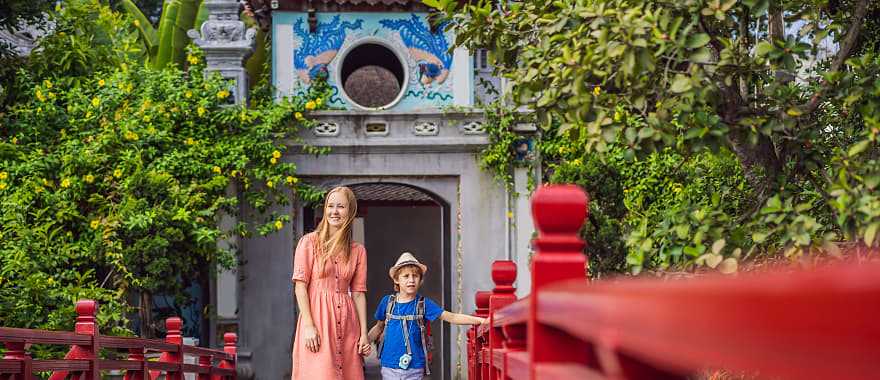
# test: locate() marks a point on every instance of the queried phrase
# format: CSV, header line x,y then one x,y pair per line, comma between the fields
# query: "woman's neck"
x,y
332,230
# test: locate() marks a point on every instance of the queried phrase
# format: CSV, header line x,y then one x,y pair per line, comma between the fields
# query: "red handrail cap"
x,y
559,209
173,324
481,299
230,338
503,272
86,307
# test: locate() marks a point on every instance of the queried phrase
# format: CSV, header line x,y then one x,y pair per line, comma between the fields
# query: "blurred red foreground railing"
x,y
83,361
822,324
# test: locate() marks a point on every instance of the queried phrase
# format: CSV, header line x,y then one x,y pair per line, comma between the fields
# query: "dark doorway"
x,y
396,218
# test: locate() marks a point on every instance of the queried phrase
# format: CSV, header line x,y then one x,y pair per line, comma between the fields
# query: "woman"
x,y
331,332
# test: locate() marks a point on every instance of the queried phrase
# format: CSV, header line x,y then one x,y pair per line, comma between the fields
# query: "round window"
x,y
372,76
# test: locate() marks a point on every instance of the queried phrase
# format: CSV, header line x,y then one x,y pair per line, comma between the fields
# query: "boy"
x,y
407,314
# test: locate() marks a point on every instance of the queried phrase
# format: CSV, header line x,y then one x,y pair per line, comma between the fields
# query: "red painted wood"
x,y
804,325
16,353
503,275
82,361
559,212
86,310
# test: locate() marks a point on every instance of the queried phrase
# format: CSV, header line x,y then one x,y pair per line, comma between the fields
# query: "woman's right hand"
x,y
310,336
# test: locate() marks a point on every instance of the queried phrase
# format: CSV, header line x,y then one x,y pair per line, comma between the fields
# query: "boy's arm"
x,y
375,331
461,319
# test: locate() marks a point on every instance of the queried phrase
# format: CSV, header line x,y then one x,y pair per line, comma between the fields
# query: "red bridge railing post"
x,y
503,275
136,354
17,351
481,300
559,212
86,310
172,336
229,346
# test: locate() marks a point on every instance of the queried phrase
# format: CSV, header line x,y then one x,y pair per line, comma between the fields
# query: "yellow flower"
x,y
2,185
310,105
234,173
270,184
131,136
151,130
292,179
216,169
192,59
273,160
319,101
597,90
89,178
40,96
4,175
279,225
222,94
188,94
51,95
117,173
137,23
189,141
298,116
47,83
96,102
101,83
65,183
276,154
510,215
201,111
15,140
95,224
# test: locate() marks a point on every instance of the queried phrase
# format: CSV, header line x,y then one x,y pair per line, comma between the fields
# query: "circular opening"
x,y
372,75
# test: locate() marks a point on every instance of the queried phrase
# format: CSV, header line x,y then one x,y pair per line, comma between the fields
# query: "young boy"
x,y
403,349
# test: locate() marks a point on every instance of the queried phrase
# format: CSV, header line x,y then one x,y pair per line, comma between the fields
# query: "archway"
x,y
394,218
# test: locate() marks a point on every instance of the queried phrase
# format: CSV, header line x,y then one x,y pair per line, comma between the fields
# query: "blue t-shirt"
x,y
394,346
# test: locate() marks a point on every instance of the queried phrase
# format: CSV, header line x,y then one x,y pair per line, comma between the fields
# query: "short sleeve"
x,y
359,279
379,315
302,261
432,310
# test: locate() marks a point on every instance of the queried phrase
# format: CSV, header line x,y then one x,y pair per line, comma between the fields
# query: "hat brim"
x,y
393,271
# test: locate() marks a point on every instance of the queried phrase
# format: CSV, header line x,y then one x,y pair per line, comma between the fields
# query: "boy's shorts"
x,y
402,374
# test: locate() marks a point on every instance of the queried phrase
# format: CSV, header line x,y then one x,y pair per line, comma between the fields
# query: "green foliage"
x,y
113,178
772,139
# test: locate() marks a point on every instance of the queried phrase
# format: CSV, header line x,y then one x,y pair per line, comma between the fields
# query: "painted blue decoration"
x,y
319,48
430,50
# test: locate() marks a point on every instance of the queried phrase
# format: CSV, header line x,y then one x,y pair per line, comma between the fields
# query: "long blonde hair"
x,y
327,245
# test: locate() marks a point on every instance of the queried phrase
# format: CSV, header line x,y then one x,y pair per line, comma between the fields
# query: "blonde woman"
x,y
330,283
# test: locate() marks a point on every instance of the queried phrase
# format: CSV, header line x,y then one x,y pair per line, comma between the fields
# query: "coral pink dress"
x,y
333,313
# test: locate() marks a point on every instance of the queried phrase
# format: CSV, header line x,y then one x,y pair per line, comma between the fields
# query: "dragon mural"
x,y
318,49
429,50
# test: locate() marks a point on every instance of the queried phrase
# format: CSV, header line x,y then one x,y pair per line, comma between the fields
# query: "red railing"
x,y
83,360
820,324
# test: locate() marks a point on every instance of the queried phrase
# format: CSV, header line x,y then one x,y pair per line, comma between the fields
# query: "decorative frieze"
x,y
425,128
327,129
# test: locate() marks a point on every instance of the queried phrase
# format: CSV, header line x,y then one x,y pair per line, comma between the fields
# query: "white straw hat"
x,y
406,258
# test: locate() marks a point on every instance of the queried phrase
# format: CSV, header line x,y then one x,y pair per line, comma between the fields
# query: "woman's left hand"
x,y
364,346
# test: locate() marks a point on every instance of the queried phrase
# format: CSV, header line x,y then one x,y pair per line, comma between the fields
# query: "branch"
x,y
849,42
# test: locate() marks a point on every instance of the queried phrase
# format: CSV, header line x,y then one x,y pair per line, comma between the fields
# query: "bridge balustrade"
x,y
84,358
817,324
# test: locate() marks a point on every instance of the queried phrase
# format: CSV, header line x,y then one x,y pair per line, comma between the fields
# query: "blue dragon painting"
x,y
430,50
318,49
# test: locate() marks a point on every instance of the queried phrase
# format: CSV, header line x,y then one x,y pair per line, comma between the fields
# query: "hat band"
x,y
408,262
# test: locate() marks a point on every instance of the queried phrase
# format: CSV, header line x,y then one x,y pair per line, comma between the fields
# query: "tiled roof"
x,y
370,2
389,192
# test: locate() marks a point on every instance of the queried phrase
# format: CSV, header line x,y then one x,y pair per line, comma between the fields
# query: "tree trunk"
x,y
145,312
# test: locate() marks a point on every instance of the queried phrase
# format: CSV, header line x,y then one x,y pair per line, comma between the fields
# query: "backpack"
x,y
424,329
